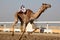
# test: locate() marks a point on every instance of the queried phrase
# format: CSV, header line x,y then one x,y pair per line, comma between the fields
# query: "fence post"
x,y
47,27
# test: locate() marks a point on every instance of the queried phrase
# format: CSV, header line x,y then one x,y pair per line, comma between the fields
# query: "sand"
x,y
34,36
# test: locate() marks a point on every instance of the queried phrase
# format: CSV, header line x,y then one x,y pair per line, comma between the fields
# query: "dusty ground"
x,y
34,36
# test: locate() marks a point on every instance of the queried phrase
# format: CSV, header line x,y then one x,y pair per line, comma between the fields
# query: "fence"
x,y
45,22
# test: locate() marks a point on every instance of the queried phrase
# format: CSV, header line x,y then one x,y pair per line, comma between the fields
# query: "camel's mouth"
x,y
49,6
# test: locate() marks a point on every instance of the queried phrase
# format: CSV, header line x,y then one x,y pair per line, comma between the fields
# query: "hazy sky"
x,y
9,7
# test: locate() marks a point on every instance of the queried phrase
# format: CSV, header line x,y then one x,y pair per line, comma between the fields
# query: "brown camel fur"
x,y
29,16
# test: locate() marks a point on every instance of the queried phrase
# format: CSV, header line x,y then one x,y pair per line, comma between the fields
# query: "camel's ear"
x,y
44,4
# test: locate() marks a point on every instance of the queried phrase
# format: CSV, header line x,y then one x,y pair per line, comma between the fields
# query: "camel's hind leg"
x,y
23,31
12,30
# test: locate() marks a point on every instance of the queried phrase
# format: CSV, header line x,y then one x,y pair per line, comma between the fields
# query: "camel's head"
x,y
46,5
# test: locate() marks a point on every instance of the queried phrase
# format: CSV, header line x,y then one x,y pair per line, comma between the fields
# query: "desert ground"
x,y
33,36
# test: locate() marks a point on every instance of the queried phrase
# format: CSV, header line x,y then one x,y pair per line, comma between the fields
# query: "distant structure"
x,y
42,29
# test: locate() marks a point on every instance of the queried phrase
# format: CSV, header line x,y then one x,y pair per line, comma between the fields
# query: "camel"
x,y
28,16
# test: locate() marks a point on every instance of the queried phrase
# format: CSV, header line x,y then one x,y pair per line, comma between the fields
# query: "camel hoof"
x,y
12,34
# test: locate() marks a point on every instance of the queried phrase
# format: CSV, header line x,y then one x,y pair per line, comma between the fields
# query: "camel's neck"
x,y
39,12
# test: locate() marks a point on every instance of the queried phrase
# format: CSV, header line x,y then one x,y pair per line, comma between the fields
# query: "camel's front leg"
x,y
13,27
15,22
